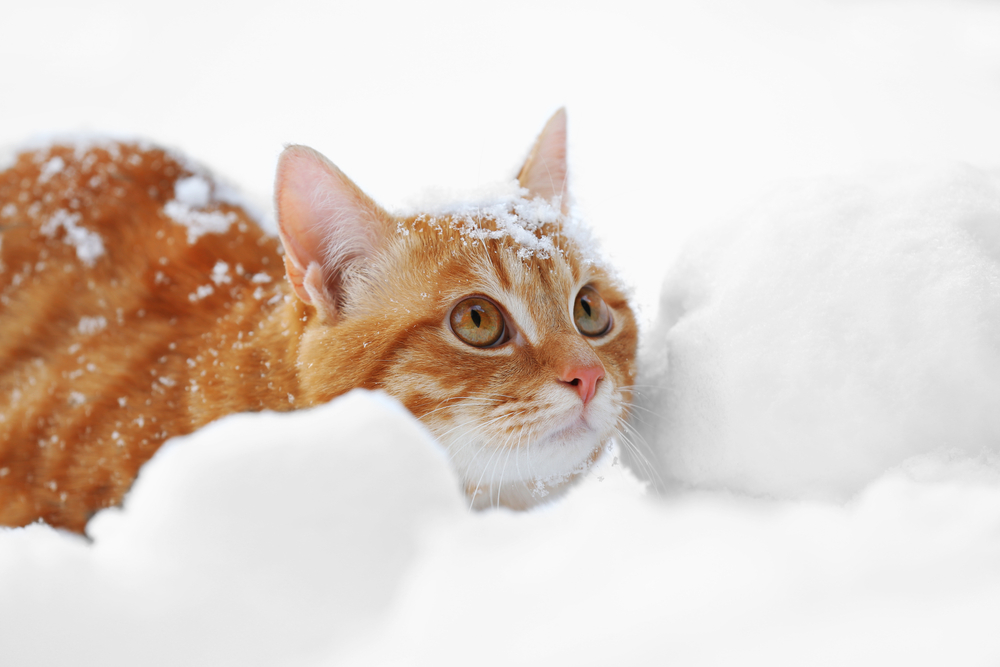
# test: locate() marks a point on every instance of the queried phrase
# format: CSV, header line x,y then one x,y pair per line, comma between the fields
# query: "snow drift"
x,y
832,332
260,539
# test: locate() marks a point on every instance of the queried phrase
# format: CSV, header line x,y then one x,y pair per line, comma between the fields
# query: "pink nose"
x,y
584,379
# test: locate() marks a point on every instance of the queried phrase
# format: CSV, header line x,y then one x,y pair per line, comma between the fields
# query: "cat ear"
x,y
326,224
544,172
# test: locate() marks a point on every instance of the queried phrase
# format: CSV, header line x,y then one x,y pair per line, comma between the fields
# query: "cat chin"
x,y
522,494
534,474
541,463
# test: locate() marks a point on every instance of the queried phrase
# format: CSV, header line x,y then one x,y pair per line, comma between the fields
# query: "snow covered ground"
x,y
806,196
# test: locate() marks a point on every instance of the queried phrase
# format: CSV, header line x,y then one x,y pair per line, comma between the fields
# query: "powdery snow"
x,y
220,273
193,191
88,326
196,195
50,169
89,244
201,190
516,215
201,292
191,195
82,142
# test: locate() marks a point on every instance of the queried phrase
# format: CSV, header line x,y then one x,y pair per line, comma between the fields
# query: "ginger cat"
x,y
138,302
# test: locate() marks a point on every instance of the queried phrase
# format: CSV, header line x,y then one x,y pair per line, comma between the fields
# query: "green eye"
x,y
477,321
592,315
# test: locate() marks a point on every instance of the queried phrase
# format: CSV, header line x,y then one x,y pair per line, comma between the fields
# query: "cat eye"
x,y
592,315
478,322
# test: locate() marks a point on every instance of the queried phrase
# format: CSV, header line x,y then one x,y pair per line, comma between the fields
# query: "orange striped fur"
x,y
139,302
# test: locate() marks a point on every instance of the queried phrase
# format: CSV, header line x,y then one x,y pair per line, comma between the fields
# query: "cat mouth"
x,y
575,429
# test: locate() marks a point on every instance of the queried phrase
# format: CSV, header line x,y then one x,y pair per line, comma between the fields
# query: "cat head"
x,y
495,324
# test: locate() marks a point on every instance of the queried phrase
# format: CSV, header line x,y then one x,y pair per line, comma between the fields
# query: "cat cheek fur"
x,y
515,432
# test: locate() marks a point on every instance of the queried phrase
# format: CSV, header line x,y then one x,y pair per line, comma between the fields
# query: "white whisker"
x,y
478,400
641,459
504,470
475,426
476,419
476,491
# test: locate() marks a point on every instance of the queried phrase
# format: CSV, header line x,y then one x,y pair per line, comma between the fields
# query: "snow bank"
x,y
336,536
260,539
905,574
831,333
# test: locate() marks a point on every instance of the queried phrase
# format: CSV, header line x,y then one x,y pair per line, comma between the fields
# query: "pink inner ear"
x,y
322,215
323,219
544,172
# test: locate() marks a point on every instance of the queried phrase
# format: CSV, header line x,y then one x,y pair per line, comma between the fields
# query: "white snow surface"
x,y
337,536
830,333
235,537
819,340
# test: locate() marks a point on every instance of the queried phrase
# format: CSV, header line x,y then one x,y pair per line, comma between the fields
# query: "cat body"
x,y
140,301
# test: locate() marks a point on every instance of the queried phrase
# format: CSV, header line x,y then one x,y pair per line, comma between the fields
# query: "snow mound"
x,y
336,536
906,572
260,539
833,332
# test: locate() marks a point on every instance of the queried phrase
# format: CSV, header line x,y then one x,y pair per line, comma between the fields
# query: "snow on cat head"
x,y
517,216
830,334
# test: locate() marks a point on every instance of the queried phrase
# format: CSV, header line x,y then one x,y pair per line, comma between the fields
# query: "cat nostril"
x,y
584,379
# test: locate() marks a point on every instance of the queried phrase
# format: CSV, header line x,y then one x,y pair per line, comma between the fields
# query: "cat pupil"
x,y
586,306
476,318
